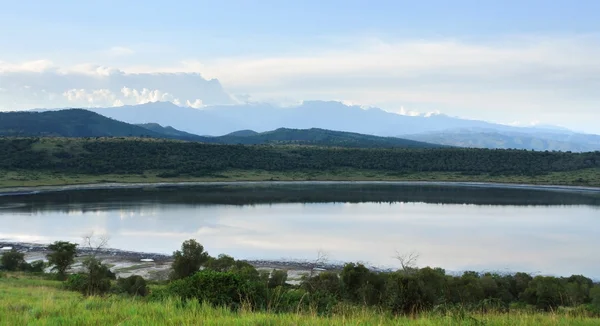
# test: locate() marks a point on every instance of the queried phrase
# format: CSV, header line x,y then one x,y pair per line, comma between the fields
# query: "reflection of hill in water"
x,y
264,194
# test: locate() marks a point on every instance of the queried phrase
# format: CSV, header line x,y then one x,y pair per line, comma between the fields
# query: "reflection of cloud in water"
x,y
456,237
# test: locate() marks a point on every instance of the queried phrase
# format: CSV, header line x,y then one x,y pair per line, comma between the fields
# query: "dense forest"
x,y
135,155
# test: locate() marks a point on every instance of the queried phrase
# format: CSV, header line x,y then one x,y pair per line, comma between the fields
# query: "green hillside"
x,y
172,132
83,123
242,133
320,137
67,123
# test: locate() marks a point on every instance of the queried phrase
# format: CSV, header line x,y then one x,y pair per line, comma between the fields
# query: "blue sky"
x,y
505,61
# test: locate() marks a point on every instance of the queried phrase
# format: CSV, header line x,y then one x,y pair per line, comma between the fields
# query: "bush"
x,y
87,286
292,300
34,267
545,292
95,282
595,298
278,278
12,260
77,282
216,288
133,285
188,260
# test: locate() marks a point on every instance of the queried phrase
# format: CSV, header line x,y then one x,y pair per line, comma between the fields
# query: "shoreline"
x,y
156,266
32,190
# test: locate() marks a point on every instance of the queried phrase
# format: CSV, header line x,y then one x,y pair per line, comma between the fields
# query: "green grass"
x,y
8,179
25,300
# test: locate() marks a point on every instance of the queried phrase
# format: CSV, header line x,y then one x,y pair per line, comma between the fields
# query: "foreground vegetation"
x,y
27,300
57,161
221,290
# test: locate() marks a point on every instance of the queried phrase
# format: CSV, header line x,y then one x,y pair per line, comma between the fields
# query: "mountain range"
x,y
220,120
84,123
434,128
541,140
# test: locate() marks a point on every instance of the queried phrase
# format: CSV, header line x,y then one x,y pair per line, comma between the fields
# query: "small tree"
x,y
278,278
98,277
97,274
62,256
12,260
188,260
133,285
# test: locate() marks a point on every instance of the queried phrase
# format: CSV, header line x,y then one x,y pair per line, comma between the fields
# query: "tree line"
x,y
227,282
173,158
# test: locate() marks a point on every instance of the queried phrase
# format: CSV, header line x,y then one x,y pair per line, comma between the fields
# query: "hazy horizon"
x,y
515,63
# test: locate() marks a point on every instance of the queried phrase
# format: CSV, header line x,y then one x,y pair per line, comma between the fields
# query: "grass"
x,y
11,179
26,300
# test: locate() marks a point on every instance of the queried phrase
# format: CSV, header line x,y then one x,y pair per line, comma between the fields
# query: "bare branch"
x,y
95,243
322,259
408,261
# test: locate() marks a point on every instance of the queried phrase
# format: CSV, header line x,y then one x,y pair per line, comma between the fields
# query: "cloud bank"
x,y
521,78
41,84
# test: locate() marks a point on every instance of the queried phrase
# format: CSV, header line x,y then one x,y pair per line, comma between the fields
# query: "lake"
x,y
457,228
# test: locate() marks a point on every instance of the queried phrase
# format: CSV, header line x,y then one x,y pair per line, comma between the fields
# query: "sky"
x,y
514,62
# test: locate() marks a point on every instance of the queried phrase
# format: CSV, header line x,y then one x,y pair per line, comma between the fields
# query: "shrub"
x,y
12,260
545,292
95,282
34,267
595,298
76,282
216,288
133,285
405,294
278,278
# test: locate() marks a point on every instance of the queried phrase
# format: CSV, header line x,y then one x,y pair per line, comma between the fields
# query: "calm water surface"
x,y
455,228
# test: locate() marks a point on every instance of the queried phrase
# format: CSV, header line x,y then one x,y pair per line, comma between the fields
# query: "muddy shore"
x,y
103,186
155,266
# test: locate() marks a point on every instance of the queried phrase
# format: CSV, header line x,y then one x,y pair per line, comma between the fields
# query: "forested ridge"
x,y
135,155
67,123
81,123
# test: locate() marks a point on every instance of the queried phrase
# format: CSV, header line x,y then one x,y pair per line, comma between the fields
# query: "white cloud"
x,y
119,51
196,104
42,84
146,95
37,66
127,96
411,58
94,98
404,111
529,78
551,79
